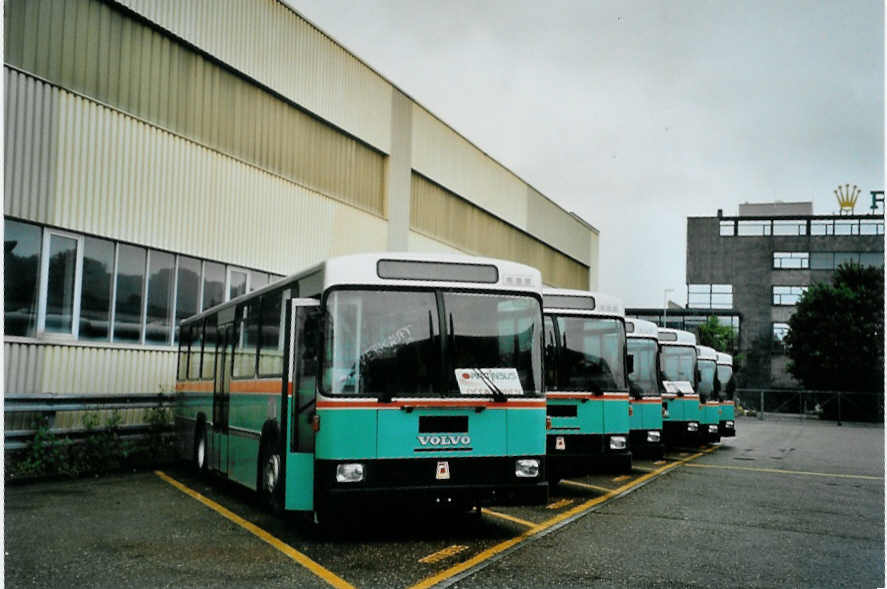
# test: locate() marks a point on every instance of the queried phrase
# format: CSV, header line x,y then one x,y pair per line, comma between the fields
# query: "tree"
x,y
836,335
717,336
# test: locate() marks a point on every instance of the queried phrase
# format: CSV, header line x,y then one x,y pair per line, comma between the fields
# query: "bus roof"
x,y
706,353
677,337
641,328
401,269
725,359
582,302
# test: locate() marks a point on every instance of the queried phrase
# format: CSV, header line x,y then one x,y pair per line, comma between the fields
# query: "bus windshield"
x,y
678,362
725,377
706,384
387,343
644,381
590,354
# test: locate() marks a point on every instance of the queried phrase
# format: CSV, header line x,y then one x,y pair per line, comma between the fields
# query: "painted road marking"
x,y
461,570
443,554
798,472
559,504
586,486
325,574
505,516
621,478
640,468
659,462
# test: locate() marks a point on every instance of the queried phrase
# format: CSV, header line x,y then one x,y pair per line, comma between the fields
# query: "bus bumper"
x,y
727,428
445,482
647,443
579,454
682,433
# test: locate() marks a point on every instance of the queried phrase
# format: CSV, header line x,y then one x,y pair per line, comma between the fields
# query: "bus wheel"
x,y
200,449
269,476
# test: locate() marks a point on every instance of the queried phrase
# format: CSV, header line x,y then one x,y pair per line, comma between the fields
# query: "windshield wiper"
x,y
498,395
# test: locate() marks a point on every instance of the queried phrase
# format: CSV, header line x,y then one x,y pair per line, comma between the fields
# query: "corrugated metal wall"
x,y
442,215
548,222
36,367
449,160
95,49
119,177
31,145
272,44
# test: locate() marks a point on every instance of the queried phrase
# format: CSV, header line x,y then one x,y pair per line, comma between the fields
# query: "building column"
x,y
398,171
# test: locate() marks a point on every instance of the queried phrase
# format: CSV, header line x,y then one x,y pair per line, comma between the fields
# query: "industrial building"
x,y
163,157
755,266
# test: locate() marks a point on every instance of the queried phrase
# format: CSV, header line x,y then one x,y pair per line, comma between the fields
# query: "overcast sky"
x,y
637,115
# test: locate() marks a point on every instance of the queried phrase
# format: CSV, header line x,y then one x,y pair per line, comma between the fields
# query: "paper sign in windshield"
x,y
472,383
678,386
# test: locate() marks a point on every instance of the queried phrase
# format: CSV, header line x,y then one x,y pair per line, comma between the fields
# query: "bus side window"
x,y
195,350
184,343
247,341
209,349
270,345
550,354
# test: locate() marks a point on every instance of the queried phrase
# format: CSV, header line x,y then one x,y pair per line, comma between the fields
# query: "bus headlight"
x,y
349,473
526,468
712,429
617,443
692,426
653,436
729,423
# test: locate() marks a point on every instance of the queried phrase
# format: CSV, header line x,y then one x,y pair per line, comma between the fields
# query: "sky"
x,y
639,114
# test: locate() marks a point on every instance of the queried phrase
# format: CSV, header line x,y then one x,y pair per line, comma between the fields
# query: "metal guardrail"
x,y
49,405
806,404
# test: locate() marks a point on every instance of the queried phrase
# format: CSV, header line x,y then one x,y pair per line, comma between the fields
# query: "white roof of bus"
x,y
604,304
642,328
706,353
725,359
361,269
683,338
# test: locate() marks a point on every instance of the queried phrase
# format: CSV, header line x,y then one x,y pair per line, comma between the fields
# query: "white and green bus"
x,y
372,379
681,411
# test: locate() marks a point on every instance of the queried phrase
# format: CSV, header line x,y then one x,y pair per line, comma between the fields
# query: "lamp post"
x,y
665,308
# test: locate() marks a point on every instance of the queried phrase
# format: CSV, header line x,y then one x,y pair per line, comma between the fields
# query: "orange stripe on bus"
x,y
255,386
654,401
589,396
426,404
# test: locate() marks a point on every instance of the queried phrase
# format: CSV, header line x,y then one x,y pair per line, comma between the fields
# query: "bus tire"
x,y
200,448
268,474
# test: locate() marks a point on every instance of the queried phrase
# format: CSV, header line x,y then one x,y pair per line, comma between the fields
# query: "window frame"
x,y
43,285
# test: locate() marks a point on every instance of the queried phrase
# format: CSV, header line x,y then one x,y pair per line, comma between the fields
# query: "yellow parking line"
x,y
586,486
444,553
620,478
503,546
798,472
641,468
505,516
659,462
559,504
288,550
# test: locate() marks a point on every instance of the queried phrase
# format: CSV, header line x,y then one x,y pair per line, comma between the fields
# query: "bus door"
x,y
303,354
221,399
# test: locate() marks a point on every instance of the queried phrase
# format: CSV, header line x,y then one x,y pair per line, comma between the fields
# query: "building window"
x,y
779,332
21,270
831,260
871,227
130,289
98,289
93,289
158,320
187,289
787,295
753,228
728,228
237,282
791,260
213,284
846,227
710,296
790,227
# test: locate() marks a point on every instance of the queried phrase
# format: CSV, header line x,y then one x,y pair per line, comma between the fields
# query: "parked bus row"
x,y
449,380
